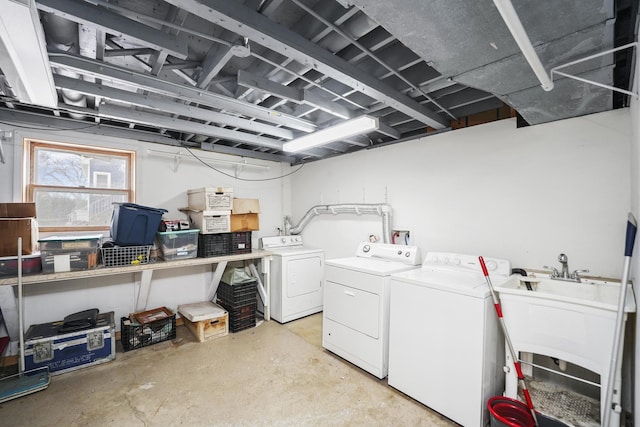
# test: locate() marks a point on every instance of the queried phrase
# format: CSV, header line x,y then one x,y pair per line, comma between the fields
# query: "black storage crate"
x,y
136,335
240,242
239,294
240,317
241,302
213,244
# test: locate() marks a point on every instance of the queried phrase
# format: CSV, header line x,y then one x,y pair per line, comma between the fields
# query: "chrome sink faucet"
x,y
564,274
562,258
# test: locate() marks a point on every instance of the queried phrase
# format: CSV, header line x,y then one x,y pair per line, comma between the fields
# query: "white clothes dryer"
x,y
296,277
355,320
446,349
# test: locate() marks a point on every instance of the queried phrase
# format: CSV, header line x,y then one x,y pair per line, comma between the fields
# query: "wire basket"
x,y
120,256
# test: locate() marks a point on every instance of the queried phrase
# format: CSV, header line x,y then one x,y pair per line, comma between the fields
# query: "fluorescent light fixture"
x,y
510,17
357,126
23,54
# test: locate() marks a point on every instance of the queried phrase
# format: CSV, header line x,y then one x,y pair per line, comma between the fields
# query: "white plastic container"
x,y
211,198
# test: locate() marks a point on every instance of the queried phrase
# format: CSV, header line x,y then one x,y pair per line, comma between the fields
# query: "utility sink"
x,y
573,322
591,293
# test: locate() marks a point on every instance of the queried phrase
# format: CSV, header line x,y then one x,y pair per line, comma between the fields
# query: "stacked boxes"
x,y
18,220
225,222
240,301
69,253
133,230
210,209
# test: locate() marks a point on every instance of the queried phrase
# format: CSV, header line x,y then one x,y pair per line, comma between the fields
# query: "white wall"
x,y
161,185
524,195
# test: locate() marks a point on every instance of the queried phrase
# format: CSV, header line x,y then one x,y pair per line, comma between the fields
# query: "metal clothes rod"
x,y
183,155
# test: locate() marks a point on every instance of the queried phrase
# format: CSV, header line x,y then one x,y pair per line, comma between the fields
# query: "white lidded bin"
x,y
209,222
211,198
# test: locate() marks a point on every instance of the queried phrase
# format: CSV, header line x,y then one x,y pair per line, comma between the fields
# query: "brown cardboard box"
x,y
244,215
245,206
17,210
11,229
244,222
18,220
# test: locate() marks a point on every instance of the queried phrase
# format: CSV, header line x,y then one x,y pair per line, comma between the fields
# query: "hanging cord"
x,y
232,176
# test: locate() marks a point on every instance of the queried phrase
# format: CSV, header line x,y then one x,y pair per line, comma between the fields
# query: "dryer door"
x,y
304,275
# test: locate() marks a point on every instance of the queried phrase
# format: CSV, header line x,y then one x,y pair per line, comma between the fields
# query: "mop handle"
x,y
21,366
496,305
516,363
632,228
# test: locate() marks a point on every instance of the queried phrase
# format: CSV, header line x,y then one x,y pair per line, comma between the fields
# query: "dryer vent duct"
x,y
383,210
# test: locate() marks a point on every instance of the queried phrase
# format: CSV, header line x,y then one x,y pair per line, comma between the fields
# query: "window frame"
x,y
29,188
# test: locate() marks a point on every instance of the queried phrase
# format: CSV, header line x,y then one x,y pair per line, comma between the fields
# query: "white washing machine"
x,y
446,348
296,277
355,320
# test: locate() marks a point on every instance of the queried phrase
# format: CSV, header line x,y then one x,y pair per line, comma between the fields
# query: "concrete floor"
x,y
271,375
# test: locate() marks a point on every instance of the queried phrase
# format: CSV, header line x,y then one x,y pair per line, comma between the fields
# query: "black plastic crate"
x,y
136,335
213,244
240,318
240,242
239,294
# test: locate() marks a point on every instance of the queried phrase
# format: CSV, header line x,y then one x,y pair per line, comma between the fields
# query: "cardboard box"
x,y
17,210
245,206
45,346
244,222
18,220
209,222
210,198
205,320
11,229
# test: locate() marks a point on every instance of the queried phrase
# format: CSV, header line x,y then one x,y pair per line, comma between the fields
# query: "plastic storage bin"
x,y
69,253
173,245
135,225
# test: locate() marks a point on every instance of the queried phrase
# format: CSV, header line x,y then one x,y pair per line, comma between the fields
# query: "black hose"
x,y
522,272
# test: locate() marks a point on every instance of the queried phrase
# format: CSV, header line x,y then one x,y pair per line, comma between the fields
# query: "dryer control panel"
x,y
399,253
280,241
464,262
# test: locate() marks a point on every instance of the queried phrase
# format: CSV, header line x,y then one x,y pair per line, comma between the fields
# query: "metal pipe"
x,y
383,209
510,17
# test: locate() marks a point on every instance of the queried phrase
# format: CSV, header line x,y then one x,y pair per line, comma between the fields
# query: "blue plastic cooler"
x,y
135,225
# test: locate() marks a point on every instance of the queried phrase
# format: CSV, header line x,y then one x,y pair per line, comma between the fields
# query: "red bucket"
x,y
507,412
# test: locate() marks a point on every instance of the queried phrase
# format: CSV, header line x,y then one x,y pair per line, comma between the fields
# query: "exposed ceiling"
x,y
243,77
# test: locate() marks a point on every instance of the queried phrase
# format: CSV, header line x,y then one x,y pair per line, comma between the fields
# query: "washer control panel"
x,y
496,267
399,253
280,241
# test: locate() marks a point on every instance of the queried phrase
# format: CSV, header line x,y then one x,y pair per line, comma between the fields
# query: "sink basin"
x,y
592,293
570,321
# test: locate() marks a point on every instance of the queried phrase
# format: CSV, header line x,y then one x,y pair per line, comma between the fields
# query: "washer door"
x,y
304,275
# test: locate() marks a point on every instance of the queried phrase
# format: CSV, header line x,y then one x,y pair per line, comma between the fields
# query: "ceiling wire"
x,y
195,156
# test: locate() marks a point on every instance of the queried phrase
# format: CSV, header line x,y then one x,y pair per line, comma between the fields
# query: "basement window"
x,y
74,186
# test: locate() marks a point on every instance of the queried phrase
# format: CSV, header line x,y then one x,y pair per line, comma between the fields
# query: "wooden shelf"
x,y
111,271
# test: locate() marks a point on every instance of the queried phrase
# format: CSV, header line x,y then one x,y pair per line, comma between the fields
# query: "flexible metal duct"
x,y
383,209
63,34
